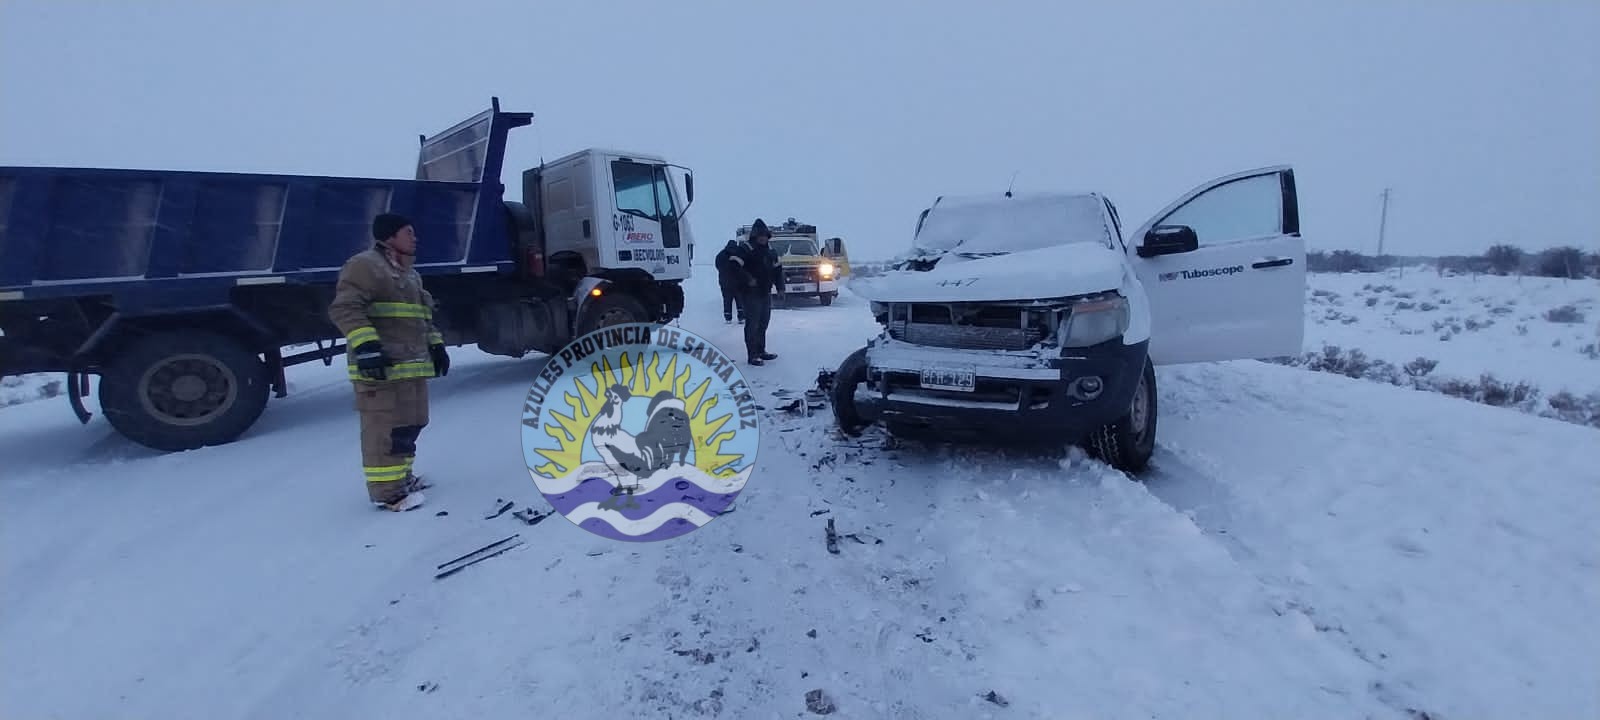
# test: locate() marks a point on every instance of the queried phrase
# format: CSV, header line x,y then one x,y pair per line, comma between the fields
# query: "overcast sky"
x,y
855,114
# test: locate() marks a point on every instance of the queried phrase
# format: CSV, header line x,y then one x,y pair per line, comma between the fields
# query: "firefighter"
x,y
386,317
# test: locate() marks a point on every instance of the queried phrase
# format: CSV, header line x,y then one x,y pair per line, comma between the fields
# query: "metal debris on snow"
x,y
452,567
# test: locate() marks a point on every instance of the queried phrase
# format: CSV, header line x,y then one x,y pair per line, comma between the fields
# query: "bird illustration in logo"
x,y
664,441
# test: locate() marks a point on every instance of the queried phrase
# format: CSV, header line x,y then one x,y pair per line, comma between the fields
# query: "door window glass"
x,y
634,184
1240,210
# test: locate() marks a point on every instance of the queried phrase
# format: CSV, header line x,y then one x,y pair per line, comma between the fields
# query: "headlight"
x,y
826,269
1092,322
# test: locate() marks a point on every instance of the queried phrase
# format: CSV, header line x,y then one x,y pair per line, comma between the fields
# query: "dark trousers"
x,y
758,314
731,297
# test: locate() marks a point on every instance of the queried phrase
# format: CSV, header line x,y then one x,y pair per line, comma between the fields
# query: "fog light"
x,y
1086,388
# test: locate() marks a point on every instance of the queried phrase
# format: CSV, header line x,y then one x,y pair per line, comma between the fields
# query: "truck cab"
x,y
1034,316
614,211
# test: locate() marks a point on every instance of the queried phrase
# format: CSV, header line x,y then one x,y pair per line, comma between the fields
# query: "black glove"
x,y
371,362
441,359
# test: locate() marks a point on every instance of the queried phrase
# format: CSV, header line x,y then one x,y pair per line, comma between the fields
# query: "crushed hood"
x,y
1050,272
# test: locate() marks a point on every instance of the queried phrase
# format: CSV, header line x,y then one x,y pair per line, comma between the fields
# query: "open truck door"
x,y
1224,269
833,250
646,219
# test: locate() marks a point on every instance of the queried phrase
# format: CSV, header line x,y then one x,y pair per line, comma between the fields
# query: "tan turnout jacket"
x,y
377,300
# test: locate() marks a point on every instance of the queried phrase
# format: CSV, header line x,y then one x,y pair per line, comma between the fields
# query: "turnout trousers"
x,y
393,414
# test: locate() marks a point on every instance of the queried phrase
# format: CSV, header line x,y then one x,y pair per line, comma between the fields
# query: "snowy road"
x,y
1308,546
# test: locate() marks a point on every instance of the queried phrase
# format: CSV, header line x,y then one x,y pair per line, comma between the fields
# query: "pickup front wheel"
x,y
183,390
1128,443
851,374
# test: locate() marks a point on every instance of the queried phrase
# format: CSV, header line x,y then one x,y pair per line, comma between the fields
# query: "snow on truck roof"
x,y
1014,222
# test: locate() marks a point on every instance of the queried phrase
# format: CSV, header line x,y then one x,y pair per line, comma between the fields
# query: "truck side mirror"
x,y
1169,240
688,186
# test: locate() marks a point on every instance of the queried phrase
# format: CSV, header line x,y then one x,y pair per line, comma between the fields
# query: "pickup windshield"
x,y
996,225
793,246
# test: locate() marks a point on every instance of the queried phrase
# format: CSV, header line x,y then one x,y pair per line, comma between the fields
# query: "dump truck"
x,y
182,290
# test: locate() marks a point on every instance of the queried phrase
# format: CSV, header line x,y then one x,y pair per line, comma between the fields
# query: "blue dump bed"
x,y
186,237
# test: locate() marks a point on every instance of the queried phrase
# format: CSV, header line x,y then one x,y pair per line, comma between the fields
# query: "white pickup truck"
x,y
1032,315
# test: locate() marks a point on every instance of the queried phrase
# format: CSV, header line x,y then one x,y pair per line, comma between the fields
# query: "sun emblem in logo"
x,y
640,432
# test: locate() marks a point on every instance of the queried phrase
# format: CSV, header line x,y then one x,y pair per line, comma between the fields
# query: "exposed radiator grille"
x,y
964,336
973,326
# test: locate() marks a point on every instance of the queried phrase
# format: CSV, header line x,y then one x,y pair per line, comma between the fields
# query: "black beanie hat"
x,y
759,229
386,225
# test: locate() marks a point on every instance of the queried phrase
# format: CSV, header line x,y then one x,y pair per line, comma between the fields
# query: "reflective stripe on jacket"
x,y
376,300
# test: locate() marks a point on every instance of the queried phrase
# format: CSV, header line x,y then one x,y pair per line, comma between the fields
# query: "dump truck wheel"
x,y
611,309
184,390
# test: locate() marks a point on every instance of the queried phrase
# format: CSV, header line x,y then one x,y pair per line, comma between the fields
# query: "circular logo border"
x,y
685,459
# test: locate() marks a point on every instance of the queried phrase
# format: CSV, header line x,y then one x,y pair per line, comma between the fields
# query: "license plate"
x,y
799,288
945,378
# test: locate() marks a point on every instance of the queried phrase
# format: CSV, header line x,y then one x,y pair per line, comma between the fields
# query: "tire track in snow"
x,y
1217,512
1062,586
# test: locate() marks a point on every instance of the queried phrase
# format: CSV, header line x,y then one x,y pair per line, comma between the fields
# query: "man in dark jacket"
x,y
729,278
761,272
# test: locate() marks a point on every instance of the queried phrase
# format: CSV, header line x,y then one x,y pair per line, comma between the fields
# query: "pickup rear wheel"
x,y
184,390
1128,443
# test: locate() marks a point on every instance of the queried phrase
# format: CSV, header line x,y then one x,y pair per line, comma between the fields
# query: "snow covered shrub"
x,y
1486,389
1564,314
1501,310
1454,387
1591,351
1476,324
1573,409
1429,307
1522,329
1492,391
1371,301
1404,305
50,389
1421,366
1334,360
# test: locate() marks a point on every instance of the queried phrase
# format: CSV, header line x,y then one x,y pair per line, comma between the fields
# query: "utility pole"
x,y
1383,221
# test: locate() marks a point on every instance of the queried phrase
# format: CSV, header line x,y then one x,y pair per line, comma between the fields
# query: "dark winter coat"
x,y
728,274
759,267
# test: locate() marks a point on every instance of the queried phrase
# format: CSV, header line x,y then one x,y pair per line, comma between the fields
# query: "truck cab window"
x,y
634,184
664,205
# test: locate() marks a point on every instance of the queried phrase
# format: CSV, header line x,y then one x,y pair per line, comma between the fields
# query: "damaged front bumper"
x,y
1044,391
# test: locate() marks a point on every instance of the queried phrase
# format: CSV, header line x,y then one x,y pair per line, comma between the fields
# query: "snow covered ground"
x,y
1308,545
18,389
1477,337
